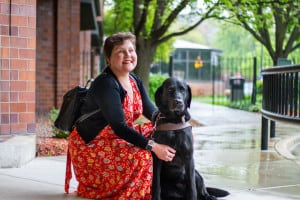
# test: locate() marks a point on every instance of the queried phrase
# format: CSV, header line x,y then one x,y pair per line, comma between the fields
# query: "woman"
x,y
110,153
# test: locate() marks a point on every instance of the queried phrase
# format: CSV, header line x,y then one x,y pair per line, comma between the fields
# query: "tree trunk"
x,y
145,52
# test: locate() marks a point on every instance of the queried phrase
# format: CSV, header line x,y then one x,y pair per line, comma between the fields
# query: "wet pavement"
x,y
227,154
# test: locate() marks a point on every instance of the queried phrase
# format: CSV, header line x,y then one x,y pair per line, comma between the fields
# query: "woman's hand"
x,y
163,152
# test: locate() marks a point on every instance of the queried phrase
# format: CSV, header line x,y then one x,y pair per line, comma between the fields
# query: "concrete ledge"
x,y
17,151
286,146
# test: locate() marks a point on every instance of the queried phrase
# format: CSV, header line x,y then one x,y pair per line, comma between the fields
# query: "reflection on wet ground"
x,y
296,151
229,137
229,156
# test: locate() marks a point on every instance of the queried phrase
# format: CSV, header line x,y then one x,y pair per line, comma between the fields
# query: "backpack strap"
x,y
68,175
85,116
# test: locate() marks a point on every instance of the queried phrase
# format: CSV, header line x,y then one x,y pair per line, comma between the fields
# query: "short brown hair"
x,y
117,39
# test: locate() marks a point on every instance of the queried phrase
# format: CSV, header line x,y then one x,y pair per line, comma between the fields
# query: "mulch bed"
x,y
47,144
51,147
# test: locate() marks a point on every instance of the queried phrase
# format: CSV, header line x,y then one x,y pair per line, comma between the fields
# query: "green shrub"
x,y
155,80
245,105
57,132
259,87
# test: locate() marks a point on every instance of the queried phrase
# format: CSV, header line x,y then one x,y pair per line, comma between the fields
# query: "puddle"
x,y
230,156
296,151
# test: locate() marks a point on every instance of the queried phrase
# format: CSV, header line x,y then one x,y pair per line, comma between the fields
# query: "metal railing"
x,y
281,99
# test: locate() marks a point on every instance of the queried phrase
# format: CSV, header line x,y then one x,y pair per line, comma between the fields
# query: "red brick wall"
x,y
39,59
205,88
17,66
46,54
58,54
68,52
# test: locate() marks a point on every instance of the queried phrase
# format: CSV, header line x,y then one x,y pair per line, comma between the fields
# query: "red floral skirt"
x,y
109,167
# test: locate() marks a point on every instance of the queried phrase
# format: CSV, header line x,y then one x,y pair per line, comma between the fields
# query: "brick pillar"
x,y
68,53
17,67
17,82
46,55
58,54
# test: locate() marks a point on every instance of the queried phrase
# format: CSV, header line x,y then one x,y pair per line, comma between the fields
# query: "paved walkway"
x,y
227,154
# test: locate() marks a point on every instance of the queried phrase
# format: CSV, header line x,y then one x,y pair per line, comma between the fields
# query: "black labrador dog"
x,y
177,180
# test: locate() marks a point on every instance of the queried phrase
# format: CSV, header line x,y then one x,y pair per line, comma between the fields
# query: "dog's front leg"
x,y
191,184
156,189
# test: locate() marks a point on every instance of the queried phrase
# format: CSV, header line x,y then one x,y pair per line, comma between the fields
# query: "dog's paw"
x,y
210,197
217,192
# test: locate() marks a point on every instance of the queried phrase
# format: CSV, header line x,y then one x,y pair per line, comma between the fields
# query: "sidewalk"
x,y
227,154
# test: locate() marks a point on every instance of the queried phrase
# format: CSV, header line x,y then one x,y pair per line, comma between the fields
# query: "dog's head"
x,y
173,98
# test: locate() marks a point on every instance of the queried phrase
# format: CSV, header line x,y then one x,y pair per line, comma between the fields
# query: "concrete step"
x,y
17,151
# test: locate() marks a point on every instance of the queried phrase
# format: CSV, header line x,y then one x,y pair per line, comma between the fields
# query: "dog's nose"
x,y
178,102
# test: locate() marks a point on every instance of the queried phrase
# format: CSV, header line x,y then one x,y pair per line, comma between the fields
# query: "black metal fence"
x,y
281,98
236,82
225,77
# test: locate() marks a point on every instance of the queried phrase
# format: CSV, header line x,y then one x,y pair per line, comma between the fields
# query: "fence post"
x,y
213,84
253,96
264,133
171,67
272,128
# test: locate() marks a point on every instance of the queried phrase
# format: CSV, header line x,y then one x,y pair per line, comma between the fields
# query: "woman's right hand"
x,y
163,152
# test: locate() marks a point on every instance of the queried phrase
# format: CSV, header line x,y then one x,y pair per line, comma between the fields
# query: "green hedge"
x,y
155,80
53,114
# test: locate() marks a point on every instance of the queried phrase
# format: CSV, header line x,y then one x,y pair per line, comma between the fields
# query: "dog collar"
x,y
172,126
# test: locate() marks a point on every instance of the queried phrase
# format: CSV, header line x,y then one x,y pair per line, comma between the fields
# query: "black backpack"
x,y
69,113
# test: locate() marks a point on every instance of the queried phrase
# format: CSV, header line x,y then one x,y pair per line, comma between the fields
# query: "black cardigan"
x,y
107,94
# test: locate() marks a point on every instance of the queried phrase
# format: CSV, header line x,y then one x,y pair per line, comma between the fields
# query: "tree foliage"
x,y
275,24
234,41
151,21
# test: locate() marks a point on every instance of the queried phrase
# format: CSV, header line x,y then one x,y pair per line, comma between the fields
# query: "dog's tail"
x,y
208,193
217,192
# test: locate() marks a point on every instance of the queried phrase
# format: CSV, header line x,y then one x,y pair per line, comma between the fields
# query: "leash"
x,y
158,117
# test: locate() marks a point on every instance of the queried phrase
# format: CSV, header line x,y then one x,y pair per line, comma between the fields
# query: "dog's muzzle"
x,y
177,105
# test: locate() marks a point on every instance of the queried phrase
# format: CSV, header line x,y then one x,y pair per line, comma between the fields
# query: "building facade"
x,y
46,48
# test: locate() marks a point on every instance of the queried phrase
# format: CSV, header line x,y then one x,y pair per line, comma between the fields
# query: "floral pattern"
x,y
109,167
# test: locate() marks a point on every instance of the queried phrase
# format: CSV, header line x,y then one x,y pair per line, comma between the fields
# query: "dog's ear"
x,y
187,116
189,96
188,101
154,117
157,96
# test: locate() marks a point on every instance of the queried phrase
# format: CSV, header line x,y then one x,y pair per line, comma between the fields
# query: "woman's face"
x,y
123,58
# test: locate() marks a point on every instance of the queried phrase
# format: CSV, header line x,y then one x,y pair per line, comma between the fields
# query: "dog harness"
x,y
169,126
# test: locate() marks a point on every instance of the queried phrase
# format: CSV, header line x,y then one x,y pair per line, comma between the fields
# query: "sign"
x,y
198,62
284,61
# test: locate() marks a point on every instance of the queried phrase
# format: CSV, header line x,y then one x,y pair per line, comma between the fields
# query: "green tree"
x,y
275,24
234,41
151,21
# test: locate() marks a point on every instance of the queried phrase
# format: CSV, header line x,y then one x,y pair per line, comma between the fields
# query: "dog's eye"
x,y
171,90
182,89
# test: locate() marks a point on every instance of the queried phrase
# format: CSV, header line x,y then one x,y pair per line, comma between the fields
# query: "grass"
x,y
244,104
